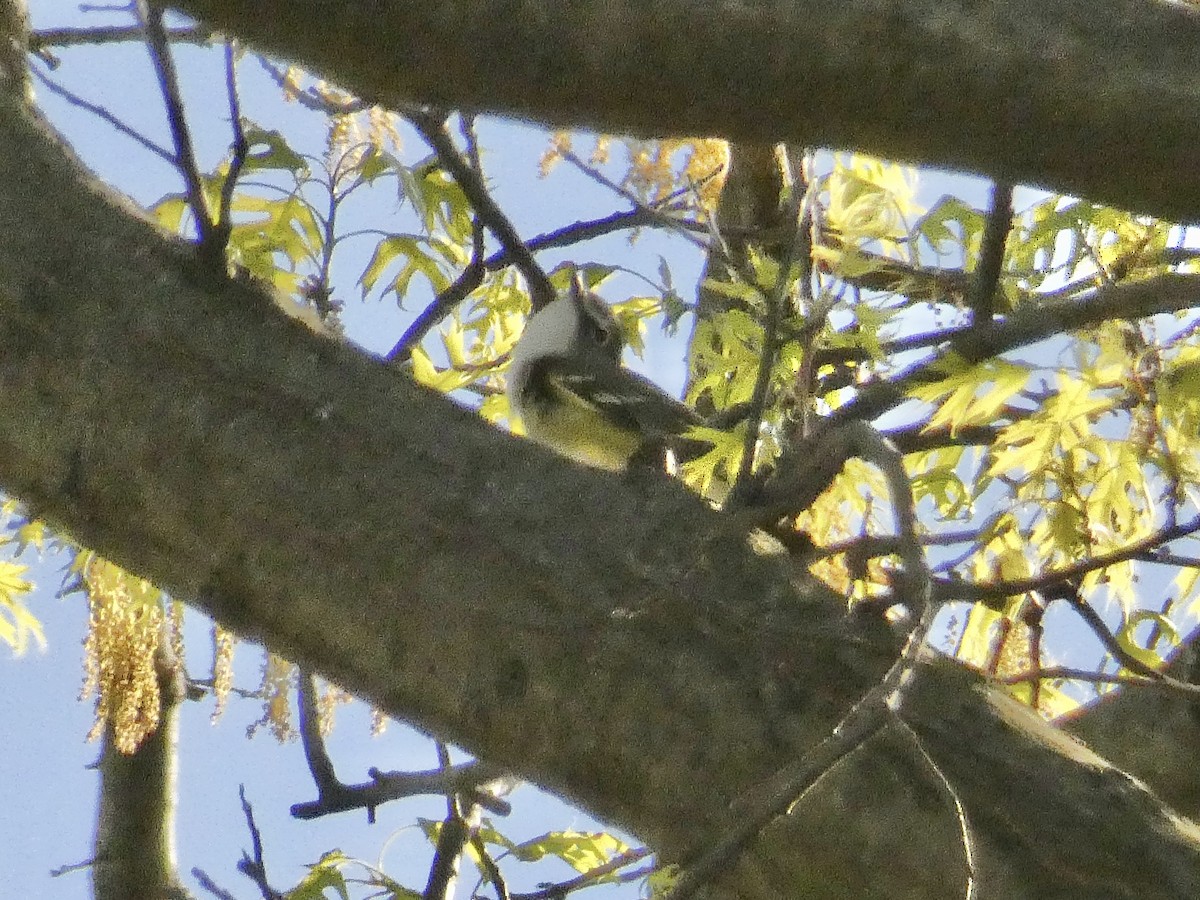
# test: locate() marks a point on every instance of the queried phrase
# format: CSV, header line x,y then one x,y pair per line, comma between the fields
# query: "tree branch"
x,y
1128,301
1115,125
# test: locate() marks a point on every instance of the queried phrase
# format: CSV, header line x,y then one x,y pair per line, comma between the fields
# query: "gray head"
x,y
578,323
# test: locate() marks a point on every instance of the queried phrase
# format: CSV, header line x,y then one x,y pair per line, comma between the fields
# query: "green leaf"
x,y
950,225
583,851
322,875
411,250
735,290
437,200
1167,631
171,211
17,624
269,150
720,464
33,534
593,275
971,395
377,162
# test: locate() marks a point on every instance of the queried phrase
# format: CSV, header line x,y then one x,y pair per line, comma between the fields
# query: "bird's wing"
x,y
624,397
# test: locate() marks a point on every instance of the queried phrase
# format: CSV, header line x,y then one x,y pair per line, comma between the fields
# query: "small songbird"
x,y
568,386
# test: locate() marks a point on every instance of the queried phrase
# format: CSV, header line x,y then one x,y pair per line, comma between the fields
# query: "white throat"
x,y
552,332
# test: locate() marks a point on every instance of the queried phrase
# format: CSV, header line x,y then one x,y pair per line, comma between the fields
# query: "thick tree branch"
x,y
1090,97
267,473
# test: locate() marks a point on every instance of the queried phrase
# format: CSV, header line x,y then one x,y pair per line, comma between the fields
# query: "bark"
x,y
1091,97
134,855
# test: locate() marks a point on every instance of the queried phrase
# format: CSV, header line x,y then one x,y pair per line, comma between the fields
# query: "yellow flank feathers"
x,y
577,429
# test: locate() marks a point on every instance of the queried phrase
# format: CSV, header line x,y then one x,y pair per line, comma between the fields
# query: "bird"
x,y
567,385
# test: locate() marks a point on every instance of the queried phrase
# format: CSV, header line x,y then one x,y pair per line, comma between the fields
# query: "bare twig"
x,y
960,811
799,216
458,828
240,149
985,591
1163,557
562,888
1067,673
1101,630
1127,301
315,754
432,127
211,886
468,280
654,213
452,839
491,871
471,779
101,113
185,157
578,232
917,438
254,867
45,38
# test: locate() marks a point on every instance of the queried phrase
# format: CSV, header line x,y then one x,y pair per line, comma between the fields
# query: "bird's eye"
x,y
600,334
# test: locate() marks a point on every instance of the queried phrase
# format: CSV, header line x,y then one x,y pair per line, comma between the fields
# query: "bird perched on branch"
x,y
568,386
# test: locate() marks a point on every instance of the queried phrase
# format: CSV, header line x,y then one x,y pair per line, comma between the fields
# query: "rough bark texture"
x,y
308,496
1092,97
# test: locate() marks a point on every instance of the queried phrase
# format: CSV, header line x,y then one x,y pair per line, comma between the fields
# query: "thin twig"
x,y
470,779
570,235
240,148
468,280
867,717
315,754
457,830
799,216
473,779
432,128
79,37
1162,557
452,839
662,219
997,590
1127,301
101,113
490,870
185,156
1067,673
591,876
211,886
1100,629
255,868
